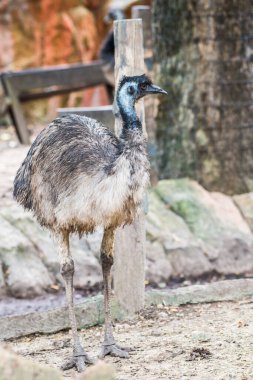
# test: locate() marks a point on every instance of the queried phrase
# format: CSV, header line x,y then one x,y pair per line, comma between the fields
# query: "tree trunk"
x,y
203,54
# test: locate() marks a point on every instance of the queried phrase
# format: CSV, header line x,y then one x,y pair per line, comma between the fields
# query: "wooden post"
x,y
16,112
144,12
129,264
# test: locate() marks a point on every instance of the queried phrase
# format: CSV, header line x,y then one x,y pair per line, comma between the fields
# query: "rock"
x,y
205,213
201,336
87,266
185,253
158,267
88,272
228,290
213,219
228,214
10,159
166,226
40,238
14,367
245,204
25,274
94,242
235,256
99,371
189,262
162,315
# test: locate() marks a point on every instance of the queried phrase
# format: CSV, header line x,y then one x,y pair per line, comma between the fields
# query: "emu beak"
x,y
152,89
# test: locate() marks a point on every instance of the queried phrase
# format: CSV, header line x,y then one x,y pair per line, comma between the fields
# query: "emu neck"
x,y
131,122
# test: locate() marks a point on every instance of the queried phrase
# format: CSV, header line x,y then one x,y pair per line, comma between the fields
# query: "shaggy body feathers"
x,y
78,175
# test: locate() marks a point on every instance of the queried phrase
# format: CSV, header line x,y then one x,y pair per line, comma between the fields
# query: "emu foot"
x,y
78,361
114,350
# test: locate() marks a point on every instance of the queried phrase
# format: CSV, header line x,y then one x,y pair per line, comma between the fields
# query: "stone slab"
x,y
90,312
227,290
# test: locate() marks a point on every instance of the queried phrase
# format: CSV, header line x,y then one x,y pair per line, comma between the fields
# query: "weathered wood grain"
x,y
129,267
16,112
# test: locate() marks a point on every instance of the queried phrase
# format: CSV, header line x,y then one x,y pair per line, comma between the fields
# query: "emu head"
x,y
131,89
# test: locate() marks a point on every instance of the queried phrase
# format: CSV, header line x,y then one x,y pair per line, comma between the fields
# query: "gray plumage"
x,y
72,147
75,149
77,175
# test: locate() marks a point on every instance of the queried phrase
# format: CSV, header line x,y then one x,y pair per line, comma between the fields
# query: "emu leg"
x,y
109,346
67,270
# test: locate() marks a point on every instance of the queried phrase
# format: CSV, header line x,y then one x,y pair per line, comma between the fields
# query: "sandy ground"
x,y
204,342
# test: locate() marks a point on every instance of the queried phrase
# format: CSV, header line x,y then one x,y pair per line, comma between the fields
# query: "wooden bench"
x,y
22,86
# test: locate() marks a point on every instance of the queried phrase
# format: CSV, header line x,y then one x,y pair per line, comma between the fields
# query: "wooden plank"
x,y
48,92
103,113
16,112
81,75
4,100
129,265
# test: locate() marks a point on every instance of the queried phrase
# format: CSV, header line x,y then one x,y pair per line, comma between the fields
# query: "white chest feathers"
x,y
102,198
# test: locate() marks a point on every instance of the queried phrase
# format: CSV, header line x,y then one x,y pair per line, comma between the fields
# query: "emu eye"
x,y
130,90
143,86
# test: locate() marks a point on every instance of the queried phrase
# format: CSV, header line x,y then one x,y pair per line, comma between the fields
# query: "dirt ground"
x,y
204,342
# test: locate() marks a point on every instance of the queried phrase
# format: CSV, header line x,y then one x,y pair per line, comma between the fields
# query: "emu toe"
x,y
114,350
78,362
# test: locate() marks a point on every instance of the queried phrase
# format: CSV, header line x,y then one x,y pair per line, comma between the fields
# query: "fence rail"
x,y
21,86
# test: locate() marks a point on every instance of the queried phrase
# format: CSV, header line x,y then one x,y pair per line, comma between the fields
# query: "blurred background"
x,y
50,33
200,219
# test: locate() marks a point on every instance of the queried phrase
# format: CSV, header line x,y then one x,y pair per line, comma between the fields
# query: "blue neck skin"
x,y
131,122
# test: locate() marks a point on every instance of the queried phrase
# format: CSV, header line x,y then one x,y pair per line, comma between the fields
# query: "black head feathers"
x,y
137,79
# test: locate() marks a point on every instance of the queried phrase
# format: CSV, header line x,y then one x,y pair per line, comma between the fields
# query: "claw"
x,y
78,362
67,365
127,349
114,350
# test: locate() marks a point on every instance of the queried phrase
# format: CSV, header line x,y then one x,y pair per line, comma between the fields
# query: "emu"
x,y
77,175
